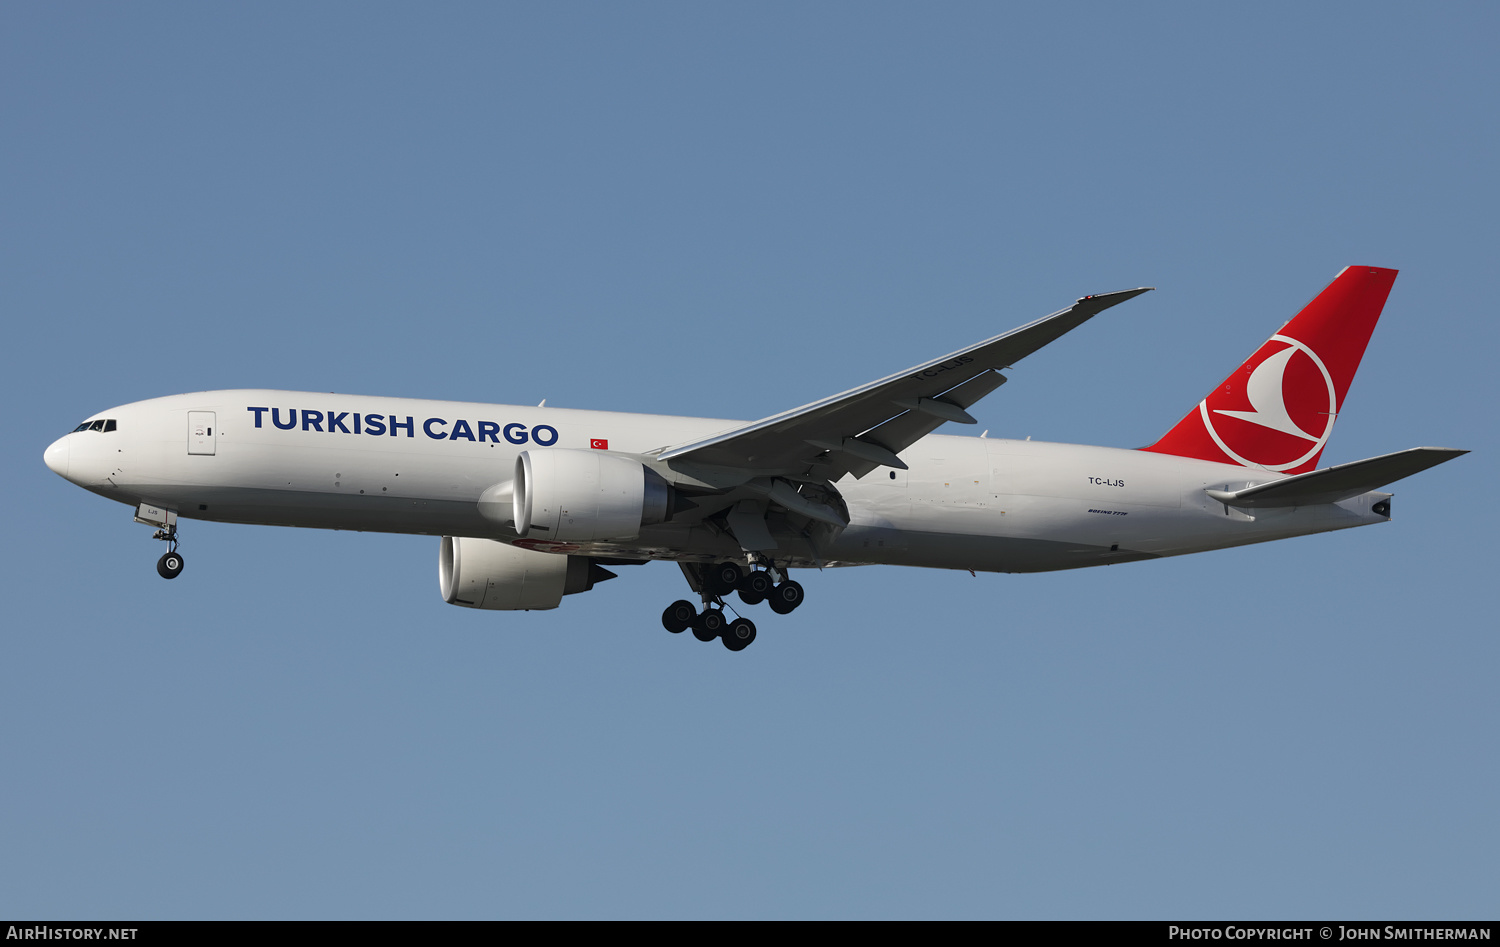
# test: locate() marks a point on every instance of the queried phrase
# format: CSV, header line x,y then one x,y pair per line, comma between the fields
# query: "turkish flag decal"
x,y
599,443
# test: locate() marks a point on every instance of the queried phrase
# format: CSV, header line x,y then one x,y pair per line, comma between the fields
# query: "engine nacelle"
x,y
586,495
483,573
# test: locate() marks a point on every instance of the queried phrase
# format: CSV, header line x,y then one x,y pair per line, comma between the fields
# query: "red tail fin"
x,y
1277,410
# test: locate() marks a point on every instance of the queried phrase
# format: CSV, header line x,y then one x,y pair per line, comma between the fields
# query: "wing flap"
x,y
906,429
1332,484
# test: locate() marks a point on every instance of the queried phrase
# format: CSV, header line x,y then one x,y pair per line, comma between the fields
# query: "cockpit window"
x,y
103,424
82,427
97,425
109,424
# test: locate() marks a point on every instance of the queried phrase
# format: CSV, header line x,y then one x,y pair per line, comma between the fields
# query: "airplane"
x,y
534,503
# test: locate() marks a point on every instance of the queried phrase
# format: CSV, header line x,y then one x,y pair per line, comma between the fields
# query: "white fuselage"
x,y
412,466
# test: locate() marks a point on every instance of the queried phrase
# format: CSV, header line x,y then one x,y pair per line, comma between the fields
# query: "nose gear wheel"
x,y
169,566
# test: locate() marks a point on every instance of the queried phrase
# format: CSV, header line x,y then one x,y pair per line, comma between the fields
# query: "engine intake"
x,y
587,495
484,573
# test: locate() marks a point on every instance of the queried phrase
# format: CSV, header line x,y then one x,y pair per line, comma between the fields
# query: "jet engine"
x,y
586,495
483,573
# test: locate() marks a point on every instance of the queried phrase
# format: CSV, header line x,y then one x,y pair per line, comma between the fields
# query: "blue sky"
x,y
731,210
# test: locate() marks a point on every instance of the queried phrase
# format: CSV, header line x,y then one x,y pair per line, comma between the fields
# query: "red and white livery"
x,y
533,504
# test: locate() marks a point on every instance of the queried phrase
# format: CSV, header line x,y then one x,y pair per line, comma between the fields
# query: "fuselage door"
x,y
200,432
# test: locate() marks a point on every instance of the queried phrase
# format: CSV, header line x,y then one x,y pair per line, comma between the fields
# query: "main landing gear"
x,y
718,580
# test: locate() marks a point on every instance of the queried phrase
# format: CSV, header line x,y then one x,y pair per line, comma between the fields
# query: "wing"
x,y
866,427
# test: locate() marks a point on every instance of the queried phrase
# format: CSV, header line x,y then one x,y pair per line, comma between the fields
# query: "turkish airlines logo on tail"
x,y
1277,411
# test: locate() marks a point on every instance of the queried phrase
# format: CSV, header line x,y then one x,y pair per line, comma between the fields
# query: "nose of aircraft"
x,y
56,457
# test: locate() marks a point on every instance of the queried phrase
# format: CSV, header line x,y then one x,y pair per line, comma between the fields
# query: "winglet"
x,y
1124,294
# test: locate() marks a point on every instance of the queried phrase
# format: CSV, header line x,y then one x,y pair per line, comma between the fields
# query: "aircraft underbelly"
x,y
981,553
315,510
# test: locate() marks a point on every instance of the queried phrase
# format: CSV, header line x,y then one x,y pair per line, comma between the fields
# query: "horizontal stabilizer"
x,y
1333,484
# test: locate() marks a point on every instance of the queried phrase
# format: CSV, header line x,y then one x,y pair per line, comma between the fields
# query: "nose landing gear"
x,y
168,566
